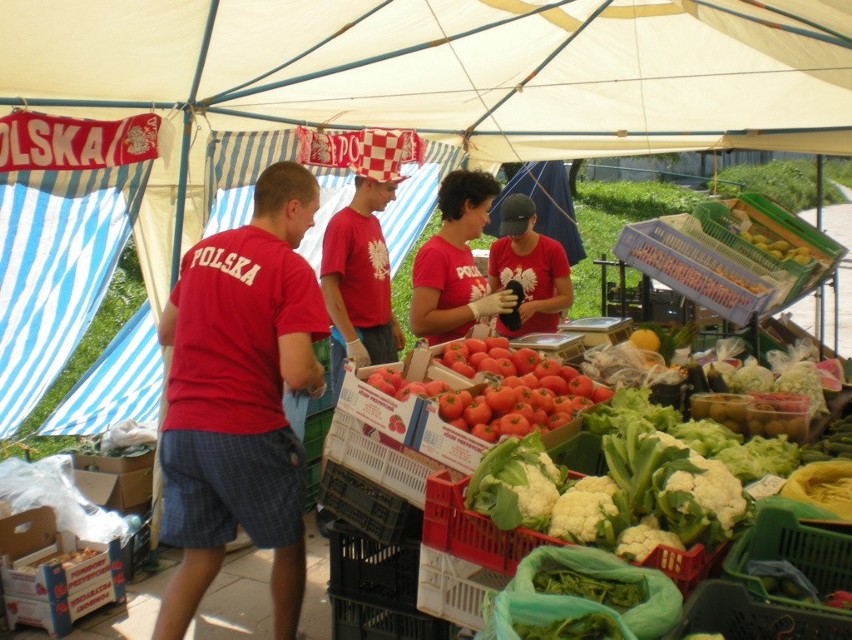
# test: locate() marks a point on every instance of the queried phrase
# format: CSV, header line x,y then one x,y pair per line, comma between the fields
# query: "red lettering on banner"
x,y
32,141
345,149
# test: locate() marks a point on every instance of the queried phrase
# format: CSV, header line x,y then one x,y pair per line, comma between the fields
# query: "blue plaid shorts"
x,y
213,481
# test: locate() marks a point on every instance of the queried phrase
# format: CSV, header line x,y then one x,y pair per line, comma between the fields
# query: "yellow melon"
x,y
645,339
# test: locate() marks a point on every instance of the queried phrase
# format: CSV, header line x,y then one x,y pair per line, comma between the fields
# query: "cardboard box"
x,y
30,568
395,419
125,492
447,444
109,464
58,617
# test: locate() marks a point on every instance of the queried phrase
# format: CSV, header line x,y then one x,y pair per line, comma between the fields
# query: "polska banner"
x,y
344,150
33,141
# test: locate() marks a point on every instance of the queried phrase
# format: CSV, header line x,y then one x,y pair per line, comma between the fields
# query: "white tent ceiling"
x,y
582,78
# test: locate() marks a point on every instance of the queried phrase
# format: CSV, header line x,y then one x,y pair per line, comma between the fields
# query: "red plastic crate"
x,y
448,526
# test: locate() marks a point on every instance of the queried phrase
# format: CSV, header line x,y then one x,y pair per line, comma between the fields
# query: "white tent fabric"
x,y
61,235
126,382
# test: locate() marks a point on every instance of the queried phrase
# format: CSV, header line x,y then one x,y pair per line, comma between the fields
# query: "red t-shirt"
x,y
238,292
440,265
354,247
536,272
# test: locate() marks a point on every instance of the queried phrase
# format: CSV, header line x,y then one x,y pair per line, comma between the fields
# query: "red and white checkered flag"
x,y
381,155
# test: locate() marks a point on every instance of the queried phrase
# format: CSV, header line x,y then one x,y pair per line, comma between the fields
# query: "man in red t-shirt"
x,y
241,319
355,273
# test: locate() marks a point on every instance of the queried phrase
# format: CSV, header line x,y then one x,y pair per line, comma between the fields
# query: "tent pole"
x,y
181,196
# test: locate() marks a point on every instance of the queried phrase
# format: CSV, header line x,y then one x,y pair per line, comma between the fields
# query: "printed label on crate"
x,y
57,616
447,444
396,419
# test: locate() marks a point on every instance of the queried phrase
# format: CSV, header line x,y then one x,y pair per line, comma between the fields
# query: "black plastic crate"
x,y
361,565
367,506
721,606
360,619
136,552
314,477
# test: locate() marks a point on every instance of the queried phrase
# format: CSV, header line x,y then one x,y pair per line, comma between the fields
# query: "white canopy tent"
x,y
502,80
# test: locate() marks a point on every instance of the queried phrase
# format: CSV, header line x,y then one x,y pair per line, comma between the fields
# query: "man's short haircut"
x,y
461,186
281,182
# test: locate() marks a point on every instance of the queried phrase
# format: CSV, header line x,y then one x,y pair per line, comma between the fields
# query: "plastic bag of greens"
x,y
520,611
649,603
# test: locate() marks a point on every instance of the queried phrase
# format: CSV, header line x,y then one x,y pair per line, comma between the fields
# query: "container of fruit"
x,y
728,409
774,414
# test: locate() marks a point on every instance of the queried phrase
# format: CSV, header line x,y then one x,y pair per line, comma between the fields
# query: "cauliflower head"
x,y
717,491
536,499
577,514
596,484
636,543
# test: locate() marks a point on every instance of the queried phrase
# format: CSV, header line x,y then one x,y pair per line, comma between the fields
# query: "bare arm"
x,y
330,284
298,364
168,322
494,283
425,317
562,299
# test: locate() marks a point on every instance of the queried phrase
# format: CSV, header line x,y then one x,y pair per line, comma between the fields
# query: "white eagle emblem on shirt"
x,y
527,278
378,252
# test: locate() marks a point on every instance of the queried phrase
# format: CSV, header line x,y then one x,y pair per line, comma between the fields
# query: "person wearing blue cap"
x,y
537,262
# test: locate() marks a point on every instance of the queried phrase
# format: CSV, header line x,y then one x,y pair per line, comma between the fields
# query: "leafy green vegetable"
x,y
629,406
760,456
621,596
591,626
705,437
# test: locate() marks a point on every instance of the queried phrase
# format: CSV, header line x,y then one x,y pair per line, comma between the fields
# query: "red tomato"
x,y
568,372
581,386
500,400
465,397
525,360
475,345
530,380
489,365
602,394
539,416
394,376
506,367
459,423
474,359
557,384
477,411
436,387
544,399
524,394
484,432
524,409
512,381
450,406
411,389
563,404
582,403
452,356
559,419
500,352
547,367
380,382
513,424
497,341
464,368
457,345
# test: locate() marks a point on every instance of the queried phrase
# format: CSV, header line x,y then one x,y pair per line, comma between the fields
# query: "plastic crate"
x,y
322,352
687,267
822,555
136,552
582,453
316,432
314,478
448,526
403,472
360,565
359,619
723,607
781,280
367,506
454,589
716,224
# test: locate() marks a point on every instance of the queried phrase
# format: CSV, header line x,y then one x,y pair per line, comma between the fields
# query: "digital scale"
x,y
567,348
596,331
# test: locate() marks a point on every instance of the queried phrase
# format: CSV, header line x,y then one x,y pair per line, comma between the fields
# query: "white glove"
x,y
318,392
356,351
500,302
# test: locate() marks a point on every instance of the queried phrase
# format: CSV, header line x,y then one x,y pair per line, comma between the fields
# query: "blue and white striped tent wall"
x,y
126,383
61,235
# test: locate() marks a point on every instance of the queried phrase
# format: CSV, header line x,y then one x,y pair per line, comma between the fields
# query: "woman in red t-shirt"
x,y
450,294
539,263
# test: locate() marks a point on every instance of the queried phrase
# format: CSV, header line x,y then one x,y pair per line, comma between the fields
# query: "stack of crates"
x,y
317,416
